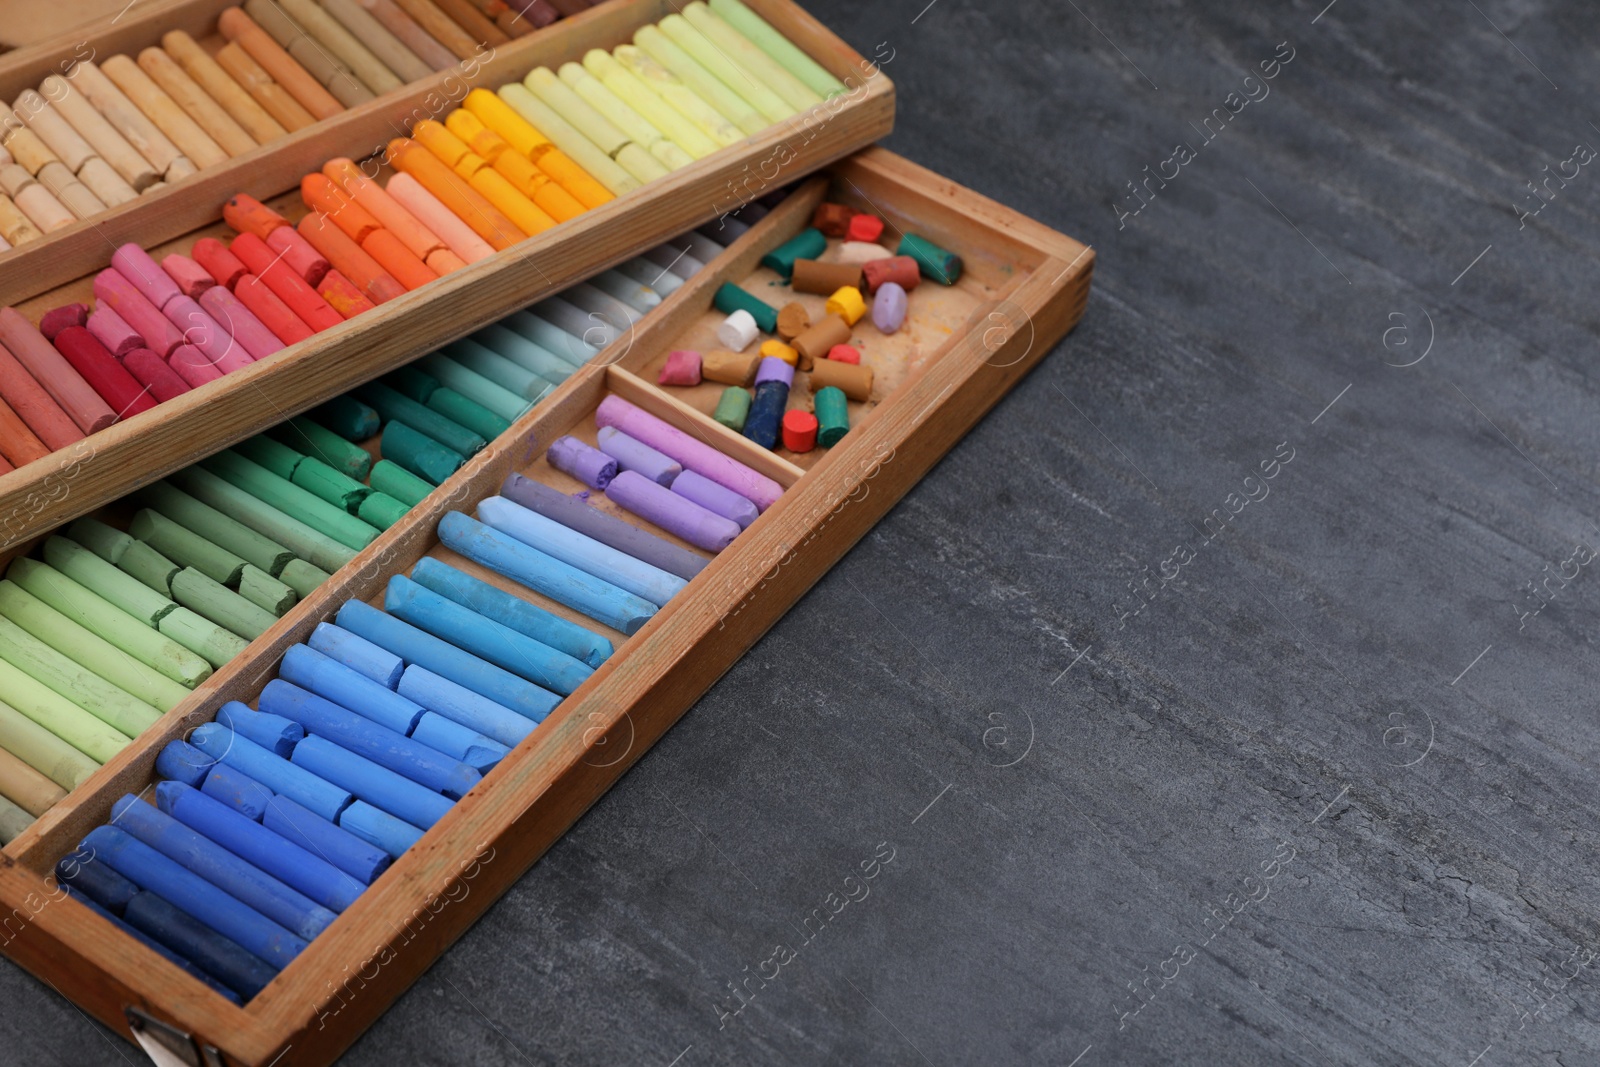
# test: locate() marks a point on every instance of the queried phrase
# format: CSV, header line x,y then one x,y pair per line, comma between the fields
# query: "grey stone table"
x,y
1153,758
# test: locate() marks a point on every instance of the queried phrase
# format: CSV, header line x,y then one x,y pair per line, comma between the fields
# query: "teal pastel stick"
x,y
475,387
469,413
379,828
464,707
498,369
529,355
409,381
274,733
480,753
419,454
394,405
331,680
552,338
507,610
274,772
378,786
357,653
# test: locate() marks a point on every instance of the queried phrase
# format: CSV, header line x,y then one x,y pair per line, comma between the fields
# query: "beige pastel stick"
x,y
28,151
340,80
70,191
105,183
259,84
36,202
53,130
210,116
440,27
240,105
406,64
126,117
26,787
327,31
101,134
161,109
16,227
283,68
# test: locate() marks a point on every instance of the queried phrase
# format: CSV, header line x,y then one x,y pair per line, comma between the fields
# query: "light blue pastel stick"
x,y
484,638
507,610
474,386
647,273
580,550
245,882
481,753
586,297
569,347
273,733
394,751
379,828
441,657
236,790
619,286
323,839
567,316
182,762
543,573
331,680
187,891
461,705
357,653
498,369
524,353
378,786
278,775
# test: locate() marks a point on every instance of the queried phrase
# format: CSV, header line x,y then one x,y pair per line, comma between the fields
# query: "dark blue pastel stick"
x,y
378,786
245,882
323,839
379,828
96,880
481,753
237,790
427,767
332,680
357,653
155,946
182,762
507,610
484,638
461,705
256,844
272,732
187,891
443,658
278,775
212,953
543,573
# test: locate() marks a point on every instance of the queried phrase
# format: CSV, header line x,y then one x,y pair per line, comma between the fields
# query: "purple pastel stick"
x,y
247,330
113,332
118,293
713,497
146,275
675,514
607,529
694,455
775,370
636,456
206,334
889,307
589,465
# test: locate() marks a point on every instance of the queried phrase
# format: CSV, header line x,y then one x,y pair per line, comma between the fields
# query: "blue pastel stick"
x,y
579,550
572,349
378,786
211,953
243,881
155,946
379,828
480,753
485,638
357,653
236,790
187,891
323,839
634,455
507,610
442,658
182,762
272,732
427,767
543,573
254,843
96,880
461,705
278,775
332,680
524,353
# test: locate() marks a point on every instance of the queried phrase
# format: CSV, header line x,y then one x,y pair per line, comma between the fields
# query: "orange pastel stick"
x,y
397,259
341,294
442,261
18,443
354,265
321,195
240,28
527,179
482,217
422,241
491,183
246,214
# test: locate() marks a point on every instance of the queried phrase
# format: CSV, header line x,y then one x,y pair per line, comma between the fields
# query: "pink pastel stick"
x,y
247,330
193,366
135,264
298,254
695,455
191,277
205,333
441,220
118,293
110,330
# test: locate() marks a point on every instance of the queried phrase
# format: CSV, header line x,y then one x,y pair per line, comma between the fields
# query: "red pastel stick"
x,y
5,468
248,215
220,263
301,257
206,334
273,313
348,258
192,366
191,277
147,367
247,330
30,401
117,293
18,444
342,295
101,370
65,385
285,283
60,318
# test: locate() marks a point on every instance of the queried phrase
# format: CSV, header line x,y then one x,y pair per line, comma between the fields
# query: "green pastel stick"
x,y
314,547
265,591
419,453
264,451
939,264
312,439
100,539
382,510
302,577
731,298
391,479
205,639
13,820
809,243
409,381
784,51
664,50
83,647
221,605
115,707
348,417
149,566
214,526
59,715
104,619
325,483
733,408
474,416
833,415
90,571
394,406
43,750
283,494
185,548
498,369
741,50
475,387
746,85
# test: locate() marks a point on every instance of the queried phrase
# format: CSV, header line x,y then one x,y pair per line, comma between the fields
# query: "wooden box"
x,y
1023,288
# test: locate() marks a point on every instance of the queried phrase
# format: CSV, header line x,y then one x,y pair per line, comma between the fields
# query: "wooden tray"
x,y
1024,287
77,479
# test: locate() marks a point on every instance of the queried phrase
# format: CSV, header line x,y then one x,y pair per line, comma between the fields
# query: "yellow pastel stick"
x,y
517,169
543,83
499,118
705,85
625,118
748,55
730,73
580,148
490,183
666,103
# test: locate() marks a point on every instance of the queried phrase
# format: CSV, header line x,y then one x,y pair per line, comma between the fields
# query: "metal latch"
x,y
166,1045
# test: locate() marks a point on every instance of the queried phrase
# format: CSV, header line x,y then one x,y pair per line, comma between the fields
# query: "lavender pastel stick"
x,y
636,456
673,513
607,529
713,497
693,454
589,465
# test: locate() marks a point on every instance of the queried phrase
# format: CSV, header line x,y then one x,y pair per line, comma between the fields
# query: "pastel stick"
x,y
379,828
357,653
444,735
339,848
607,529
464,707
579,550
234,789
309,669
198,945
274,772
382,788
274,733
507,610
182,762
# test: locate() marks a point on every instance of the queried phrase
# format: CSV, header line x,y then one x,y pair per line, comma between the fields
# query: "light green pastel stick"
x,y
221,605
795,92
83,647
104,619
92,572
475,387
677,109
625,118
325,483
394,480
59,715
382,510
302,577
13,820
116,708
736,78
561,133
314,439
214,526
265,591
706,85
149,566
760,32
284,495
315,548
185,548
634,159
100,539
43,750
278,458
202,637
